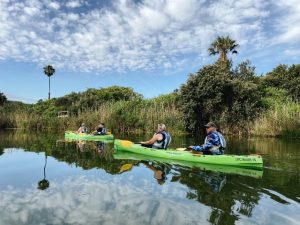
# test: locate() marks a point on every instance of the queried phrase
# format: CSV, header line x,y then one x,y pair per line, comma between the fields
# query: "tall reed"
x,y
122,117
142,116
283,119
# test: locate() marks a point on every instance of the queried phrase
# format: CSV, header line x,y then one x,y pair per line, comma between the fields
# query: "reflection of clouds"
x,y
83,201
270,212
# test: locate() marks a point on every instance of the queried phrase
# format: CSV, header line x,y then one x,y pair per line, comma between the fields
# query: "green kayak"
x,y
87,137
245,161
202,166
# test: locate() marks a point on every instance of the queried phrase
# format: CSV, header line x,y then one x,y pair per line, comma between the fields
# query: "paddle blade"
x,y
126,144
125,167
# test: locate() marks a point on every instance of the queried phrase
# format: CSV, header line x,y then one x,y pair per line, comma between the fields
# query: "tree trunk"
x,y
49,89
223,55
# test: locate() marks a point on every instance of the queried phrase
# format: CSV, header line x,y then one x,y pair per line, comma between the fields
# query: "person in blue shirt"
x,y
214,143
100,130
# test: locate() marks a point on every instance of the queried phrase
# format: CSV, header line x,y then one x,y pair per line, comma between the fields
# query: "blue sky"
x,y
151,45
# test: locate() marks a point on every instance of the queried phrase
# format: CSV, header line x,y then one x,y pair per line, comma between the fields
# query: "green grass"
x,y
281,120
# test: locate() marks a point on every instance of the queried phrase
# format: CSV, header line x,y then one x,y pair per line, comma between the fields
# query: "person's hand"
x,y
197,148
191,147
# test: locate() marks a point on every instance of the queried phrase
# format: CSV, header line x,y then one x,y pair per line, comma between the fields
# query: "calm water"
x,y
46,180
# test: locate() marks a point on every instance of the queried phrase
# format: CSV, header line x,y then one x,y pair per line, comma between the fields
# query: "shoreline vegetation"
x,y
280,121
238,100
125,111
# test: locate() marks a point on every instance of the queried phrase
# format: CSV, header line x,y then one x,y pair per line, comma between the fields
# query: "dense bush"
x,y
232,98
287,78
3,99
93,98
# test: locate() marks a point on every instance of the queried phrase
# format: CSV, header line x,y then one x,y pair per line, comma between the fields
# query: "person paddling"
x,y
214,143
100,130
160,140
82,129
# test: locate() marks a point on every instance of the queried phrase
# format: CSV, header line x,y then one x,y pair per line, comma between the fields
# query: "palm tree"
x,y
222,45
49,71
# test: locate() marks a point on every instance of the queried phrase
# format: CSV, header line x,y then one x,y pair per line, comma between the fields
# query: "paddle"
x,y
190,150
69,131
184,149
125,167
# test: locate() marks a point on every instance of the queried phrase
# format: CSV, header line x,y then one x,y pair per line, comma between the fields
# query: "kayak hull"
x,y
88,137
122,155
245,161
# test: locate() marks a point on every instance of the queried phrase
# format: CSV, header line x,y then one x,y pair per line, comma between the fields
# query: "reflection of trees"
x,y
90,158
228,201
238,196
44,184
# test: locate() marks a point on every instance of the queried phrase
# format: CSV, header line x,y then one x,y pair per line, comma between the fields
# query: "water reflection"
x,y
44,184
91,184
87,200
160,171
208,187
83,145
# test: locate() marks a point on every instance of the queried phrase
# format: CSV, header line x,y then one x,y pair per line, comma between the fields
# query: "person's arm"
x,y
196,147
156,137
211,140
207,145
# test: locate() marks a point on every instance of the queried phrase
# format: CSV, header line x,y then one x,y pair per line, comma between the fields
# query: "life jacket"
x,y
222,140
101,131
84,129
165,142
219,148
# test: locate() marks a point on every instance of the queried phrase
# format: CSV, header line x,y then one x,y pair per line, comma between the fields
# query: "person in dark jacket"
x,y
100,130
214,143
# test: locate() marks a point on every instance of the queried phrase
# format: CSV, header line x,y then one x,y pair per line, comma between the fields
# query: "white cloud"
x,y
73,4
54,5
12,97
79,200
292,52
137,36
288,23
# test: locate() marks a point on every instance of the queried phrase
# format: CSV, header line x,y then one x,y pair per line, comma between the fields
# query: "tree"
x,y
202,98
49,71
285,77
222,45
3,98
231,98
